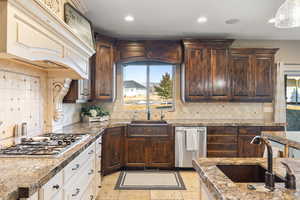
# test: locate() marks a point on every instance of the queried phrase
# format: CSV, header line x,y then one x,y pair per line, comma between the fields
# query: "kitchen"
x,y
100,100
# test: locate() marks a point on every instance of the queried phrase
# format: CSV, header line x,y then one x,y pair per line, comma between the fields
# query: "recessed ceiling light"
x,y
232,21
272,21
202,20
129,18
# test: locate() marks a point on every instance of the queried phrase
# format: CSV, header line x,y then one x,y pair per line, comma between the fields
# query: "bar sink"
x,y
246,173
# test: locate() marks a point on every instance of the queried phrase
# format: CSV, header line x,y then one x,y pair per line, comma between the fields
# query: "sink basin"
x,y
246,173
149,122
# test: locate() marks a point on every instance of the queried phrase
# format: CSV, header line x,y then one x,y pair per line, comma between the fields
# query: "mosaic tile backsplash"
x,y
20,101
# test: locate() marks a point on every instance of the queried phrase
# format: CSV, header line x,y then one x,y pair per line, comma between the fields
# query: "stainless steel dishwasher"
x,y
183,156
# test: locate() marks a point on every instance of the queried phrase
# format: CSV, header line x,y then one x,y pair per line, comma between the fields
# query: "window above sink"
x,y
148,86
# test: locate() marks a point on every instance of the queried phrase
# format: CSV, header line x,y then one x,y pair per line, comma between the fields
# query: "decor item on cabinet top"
x,y
94,114
79,24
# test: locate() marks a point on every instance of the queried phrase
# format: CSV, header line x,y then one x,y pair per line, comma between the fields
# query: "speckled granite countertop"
x,y
221,187
30,174
283,140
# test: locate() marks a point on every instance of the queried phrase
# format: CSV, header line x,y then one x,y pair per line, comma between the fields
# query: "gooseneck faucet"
x,y
269,175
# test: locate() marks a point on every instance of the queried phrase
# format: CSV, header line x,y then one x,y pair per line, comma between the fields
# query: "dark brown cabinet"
x,y
222,141
149,146
112,150
152,50
103,71
245,148
214,72
206,70
252,74
227,141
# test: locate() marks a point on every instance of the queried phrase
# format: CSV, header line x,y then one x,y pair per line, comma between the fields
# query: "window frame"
x,y
148,64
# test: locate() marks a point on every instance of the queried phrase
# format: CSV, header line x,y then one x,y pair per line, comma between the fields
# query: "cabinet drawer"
x,y
222,130
53,187
75,166
221,139
249,130
78,183
98,145
141,131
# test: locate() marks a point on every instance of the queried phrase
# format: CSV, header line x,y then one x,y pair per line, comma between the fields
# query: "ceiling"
x,y
178,19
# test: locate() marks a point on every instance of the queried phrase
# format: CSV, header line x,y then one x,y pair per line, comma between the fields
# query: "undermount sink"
x,y
149,122
246,173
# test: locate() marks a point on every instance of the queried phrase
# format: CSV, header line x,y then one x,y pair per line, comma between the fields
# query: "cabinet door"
x,y
103,75
245,148
241,76
112,152
197,64
135,152
264,77
219,82
161,153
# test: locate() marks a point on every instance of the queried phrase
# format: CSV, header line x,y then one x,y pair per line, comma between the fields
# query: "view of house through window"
x,y
292,89
148,86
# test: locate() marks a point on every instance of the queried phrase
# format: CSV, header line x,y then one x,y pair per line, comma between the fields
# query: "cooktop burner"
x,y
50,144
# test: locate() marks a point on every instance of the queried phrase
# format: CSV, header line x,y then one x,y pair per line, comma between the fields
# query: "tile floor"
x,y
190,178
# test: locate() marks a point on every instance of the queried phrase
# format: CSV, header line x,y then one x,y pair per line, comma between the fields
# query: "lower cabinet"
x,y
149,147
79,180
113,146
245,148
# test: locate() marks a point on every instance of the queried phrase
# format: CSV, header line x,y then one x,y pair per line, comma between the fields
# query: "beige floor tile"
x,y
108,194
134,195
166,195
191,195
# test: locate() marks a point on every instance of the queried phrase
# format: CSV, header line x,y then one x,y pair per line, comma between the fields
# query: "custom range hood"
x,y
33,31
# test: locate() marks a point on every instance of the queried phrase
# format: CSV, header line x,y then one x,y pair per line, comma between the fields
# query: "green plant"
x,y
164,90
98,110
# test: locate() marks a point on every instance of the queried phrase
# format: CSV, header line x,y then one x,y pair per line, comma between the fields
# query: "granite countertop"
x,y
221,187
283,140
29,174
193,122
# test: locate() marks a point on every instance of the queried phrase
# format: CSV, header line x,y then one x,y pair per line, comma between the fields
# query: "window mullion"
x,y
147,85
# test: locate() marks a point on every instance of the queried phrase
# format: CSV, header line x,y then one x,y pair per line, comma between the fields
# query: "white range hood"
x,y
31,33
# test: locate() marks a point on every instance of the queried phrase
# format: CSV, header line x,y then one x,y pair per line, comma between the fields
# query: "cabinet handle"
x,y
55,187
76,167
99,156
76,193
99,171
91,152
91,172
91,197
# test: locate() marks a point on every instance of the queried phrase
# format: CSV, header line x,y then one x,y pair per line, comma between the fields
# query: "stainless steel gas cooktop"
x,y
48,145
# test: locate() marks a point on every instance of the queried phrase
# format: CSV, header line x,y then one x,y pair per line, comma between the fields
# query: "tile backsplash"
x,y
20,96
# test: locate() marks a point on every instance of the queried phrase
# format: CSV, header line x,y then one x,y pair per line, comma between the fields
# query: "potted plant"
x,y
94,114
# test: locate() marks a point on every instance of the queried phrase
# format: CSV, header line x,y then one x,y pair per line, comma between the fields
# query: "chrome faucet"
x,y
269,175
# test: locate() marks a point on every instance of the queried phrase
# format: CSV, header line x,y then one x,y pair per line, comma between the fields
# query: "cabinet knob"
x,y
76,167
55,187
91,197
99,171
91,152
76,193
91,172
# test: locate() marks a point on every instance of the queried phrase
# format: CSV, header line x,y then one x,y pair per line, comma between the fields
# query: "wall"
x,y
22,99
223,112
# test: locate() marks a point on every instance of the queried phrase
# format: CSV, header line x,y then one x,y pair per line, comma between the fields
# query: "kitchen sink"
x,y
246,173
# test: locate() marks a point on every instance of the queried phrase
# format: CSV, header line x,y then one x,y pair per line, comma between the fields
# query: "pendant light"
x,y
288,15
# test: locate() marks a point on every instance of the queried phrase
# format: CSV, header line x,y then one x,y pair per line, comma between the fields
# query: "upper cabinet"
x,y
252,74
103,72
163,51
206,70
214,72
33,33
